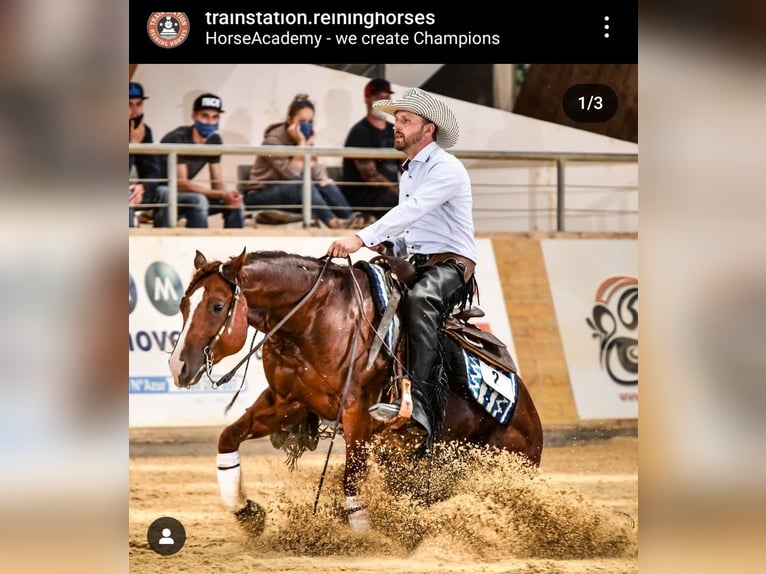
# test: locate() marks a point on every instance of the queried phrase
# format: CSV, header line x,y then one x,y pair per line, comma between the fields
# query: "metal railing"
x,y
172,151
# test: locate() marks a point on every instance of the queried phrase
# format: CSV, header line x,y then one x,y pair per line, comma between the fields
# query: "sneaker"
x,y
277,217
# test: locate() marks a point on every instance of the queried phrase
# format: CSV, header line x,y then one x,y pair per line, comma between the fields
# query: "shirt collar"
x,y
422,156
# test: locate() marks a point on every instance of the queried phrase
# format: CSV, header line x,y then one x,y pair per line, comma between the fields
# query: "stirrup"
x,y
384,412
400,411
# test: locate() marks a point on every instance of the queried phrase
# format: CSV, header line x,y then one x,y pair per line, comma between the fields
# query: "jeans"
x,y
161,214
327,201
196,207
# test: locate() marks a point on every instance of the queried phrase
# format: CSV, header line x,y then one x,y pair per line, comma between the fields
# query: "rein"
x,y
254,348
347,384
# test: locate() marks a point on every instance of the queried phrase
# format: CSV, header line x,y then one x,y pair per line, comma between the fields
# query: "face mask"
x,y
205,130
306,129
378,114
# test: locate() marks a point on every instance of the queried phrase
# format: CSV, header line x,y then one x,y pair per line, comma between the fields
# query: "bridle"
x,y
208,350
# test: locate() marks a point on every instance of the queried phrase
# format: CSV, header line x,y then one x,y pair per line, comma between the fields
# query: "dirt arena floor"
x,y
576,514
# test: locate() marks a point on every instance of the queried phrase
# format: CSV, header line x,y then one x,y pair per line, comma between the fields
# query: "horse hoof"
x,y
252,518
359,521
278,438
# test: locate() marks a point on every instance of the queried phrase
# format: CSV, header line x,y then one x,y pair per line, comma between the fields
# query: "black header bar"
x,y
228,31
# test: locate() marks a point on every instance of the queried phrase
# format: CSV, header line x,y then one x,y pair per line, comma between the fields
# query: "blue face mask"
x,y
205,130
307,129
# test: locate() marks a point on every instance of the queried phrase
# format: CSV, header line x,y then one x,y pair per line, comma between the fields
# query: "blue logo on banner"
x,y
148,384
132,294
164,288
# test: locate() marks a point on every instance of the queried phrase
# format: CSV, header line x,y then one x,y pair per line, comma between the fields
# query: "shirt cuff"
x,y
368,236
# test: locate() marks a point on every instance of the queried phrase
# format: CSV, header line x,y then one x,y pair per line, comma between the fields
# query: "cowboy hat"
x,y
425,105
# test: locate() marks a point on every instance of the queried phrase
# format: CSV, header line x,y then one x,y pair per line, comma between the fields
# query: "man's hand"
x,y
231,197
342,247
135,135
136,193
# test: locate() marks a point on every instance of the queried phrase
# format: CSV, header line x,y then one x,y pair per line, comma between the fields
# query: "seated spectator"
x,y
144,167
373,130
197,200
327,202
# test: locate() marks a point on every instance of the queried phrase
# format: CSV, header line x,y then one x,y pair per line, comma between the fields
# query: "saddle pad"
x,y
495,390
381,295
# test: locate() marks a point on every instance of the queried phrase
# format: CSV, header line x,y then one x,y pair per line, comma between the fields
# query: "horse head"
x,y
214,319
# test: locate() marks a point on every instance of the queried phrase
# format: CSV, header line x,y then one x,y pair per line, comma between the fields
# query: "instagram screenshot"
x,y
383,314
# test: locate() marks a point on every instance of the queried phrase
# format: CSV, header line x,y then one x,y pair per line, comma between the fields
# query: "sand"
x,y
484,512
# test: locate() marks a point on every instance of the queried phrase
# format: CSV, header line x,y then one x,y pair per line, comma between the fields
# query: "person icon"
x,y
168,28
166,536
166,539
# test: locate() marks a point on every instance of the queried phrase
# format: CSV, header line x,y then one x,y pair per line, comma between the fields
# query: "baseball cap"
x,y
136,90
376,86
208,101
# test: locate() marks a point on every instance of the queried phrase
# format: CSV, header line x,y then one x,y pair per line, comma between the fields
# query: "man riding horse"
x,y
433,225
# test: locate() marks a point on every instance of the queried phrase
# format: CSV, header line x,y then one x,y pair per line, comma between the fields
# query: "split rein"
x,y
254,348
208,350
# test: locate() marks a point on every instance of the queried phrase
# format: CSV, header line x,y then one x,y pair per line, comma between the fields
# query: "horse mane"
x,y
293,260
290,259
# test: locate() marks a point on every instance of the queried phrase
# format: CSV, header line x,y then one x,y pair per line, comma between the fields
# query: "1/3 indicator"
x,y
590,103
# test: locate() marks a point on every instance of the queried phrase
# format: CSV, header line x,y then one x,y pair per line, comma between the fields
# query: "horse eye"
x,y
218,307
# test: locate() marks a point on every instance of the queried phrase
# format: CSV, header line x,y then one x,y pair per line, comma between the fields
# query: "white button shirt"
x,y
435,211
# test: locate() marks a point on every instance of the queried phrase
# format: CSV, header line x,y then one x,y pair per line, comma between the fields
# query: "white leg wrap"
x,y
230,481
358,519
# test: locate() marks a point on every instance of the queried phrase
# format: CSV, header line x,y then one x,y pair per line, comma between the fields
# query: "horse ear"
x,y
199,260
231,269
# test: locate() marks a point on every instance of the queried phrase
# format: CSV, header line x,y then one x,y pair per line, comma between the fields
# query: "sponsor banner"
x,y
594,283
159,271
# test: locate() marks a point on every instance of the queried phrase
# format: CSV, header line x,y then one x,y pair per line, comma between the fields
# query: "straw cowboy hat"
x,y
424,104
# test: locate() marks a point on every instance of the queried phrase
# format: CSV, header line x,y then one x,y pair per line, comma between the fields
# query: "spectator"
x,y
197,200
144,167
327,202
373,130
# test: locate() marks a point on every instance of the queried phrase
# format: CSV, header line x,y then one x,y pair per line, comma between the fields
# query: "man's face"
x,y
207,116
409,130
135,107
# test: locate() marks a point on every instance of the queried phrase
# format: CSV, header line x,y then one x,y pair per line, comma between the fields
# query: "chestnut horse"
x,y
306,360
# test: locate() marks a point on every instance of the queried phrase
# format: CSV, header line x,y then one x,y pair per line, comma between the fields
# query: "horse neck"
x,y
276,285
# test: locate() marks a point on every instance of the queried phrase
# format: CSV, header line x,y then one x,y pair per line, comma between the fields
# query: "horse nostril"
x,y
185,371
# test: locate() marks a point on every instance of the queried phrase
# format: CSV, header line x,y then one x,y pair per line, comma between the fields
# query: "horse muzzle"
x,y
185,373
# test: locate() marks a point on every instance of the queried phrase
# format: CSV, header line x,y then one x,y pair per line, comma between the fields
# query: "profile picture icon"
x,y
168,29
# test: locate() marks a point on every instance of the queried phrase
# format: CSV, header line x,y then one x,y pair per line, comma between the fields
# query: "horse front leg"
x,y
265,416
357,431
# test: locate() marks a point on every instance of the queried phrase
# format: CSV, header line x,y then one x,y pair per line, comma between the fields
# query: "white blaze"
x,y
176,364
